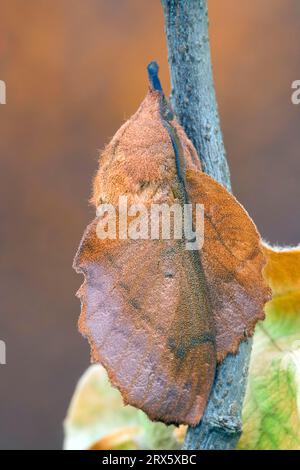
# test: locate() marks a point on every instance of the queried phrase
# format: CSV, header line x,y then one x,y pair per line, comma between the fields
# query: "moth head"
x,y
139,162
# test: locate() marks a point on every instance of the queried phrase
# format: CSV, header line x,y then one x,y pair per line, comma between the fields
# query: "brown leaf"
x,y
233,261
146,316
139,160
158,316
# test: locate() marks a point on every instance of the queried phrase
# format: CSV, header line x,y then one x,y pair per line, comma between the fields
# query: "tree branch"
x,y
194,102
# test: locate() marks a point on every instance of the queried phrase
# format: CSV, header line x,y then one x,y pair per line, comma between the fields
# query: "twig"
x,y
194,102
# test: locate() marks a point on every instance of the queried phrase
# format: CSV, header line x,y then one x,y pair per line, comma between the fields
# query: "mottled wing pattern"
x,y
145,313
233,261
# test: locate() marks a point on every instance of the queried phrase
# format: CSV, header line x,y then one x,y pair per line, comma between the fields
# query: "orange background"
x,y
75,70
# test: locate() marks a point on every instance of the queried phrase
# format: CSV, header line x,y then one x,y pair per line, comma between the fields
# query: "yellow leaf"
x,y
98,420
271,413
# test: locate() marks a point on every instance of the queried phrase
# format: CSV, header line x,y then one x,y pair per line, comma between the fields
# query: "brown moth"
x,y
157,316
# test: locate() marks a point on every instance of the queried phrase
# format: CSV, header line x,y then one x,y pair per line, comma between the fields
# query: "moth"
x,y
160,317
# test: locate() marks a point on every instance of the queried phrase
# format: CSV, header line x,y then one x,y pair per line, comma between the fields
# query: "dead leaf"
x,y
233,260
158,316
97,419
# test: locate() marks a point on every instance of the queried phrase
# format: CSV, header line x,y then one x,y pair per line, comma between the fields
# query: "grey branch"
x,y
194,102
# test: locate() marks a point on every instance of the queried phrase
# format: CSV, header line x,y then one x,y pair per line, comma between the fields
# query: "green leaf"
x,y
271,413
97,419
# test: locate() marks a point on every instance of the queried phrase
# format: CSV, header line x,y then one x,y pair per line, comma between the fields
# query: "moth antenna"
x,y
153,76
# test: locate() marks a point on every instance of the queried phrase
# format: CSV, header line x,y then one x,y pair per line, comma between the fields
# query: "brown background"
x,y
75,69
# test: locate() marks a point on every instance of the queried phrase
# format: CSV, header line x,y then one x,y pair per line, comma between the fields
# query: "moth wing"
x,y
233,260
147,322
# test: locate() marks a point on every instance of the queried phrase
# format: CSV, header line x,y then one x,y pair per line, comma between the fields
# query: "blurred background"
x,y
75,70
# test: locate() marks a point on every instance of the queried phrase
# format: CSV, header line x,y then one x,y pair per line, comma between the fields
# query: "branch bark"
x,y
194,102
